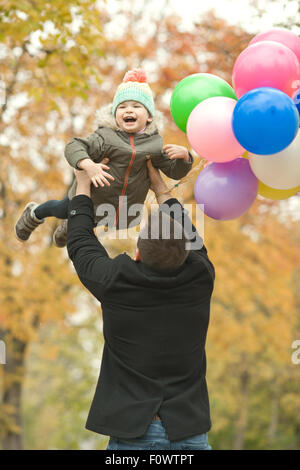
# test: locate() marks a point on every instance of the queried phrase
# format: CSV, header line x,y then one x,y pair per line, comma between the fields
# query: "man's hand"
x,y
83,183
158,185
176,151
96,171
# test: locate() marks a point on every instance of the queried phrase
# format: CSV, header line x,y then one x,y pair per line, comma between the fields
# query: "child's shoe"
x,y
27,222
60,234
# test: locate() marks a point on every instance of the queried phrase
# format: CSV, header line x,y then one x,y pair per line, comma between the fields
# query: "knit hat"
x,y
134,88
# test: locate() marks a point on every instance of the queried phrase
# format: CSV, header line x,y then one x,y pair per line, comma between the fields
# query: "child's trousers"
x,y
53,208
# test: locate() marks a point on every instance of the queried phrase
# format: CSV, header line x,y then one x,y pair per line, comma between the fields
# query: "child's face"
x,y
132,116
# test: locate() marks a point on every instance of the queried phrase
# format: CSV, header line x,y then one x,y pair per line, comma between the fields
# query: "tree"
x,y
254,320
51,91
46,51
61,373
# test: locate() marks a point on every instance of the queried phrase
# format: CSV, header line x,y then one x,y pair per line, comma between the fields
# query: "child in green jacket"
x,y
127,135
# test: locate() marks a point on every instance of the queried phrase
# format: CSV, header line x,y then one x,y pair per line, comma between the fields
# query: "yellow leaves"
x,y
42,291
253,306
37,93
7,420
290,401
50,353
61,51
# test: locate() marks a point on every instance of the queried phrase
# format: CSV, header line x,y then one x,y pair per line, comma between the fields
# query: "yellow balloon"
x,y
276,194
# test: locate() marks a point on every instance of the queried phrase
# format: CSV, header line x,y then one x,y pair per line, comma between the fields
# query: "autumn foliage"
x,y
50,94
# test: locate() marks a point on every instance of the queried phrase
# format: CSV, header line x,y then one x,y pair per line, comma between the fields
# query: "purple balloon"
x,y
227,190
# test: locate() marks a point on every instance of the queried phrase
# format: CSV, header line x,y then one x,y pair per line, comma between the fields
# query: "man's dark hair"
x,y
162,242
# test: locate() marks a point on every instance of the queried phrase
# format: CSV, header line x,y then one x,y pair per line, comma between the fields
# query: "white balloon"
x,y
280,170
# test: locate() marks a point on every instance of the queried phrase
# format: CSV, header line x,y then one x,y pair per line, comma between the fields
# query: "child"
x,y
127,135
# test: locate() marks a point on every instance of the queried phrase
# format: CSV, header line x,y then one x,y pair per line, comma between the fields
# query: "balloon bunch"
x,y
249,133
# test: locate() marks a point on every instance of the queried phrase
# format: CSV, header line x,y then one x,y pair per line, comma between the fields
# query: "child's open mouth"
x,y
129,119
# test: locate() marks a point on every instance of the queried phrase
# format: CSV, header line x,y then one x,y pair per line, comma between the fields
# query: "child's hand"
x,y
97,174
176,151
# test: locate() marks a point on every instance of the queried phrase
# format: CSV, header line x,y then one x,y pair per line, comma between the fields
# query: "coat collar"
x,y
148,271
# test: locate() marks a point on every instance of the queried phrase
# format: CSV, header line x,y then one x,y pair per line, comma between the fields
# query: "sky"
x,y
242,12
253,15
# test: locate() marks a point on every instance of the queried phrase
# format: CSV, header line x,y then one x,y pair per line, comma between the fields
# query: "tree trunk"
x,y
12,392
273,425
242,422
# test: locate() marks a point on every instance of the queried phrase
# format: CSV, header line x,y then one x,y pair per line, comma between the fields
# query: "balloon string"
x,y
184,180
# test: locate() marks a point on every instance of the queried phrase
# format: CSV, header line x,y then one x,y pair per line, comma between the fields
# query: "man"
x,y
151,392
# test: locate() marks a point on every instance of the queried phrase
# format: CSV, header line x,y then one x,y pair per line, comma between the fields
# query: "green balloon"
x,y
194,89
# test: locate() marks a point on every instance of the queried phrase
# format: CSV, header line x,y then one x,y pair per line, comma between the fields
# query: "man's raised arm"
x,y
173,208
91,261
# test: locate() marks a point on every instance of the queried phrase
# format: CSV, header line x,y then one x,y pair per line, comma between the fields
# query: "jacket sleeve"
x,y
175,169
78,148
195,243
91,261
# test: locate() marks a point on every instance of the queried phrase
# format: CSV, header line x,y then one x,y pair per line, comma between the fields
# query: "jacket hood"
x,y
105,118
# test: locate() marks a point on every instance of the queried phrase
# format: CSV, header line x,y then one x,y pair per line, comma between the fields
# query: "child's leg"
x,y
53,208
34,215
27,222
58,209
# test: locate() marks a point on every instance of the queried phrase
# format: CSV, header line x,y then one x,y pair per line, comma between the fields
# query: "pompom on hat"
x,y
134,88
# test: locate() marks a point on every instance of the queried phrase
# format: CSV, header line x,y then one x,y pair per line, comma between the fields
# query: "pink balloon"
x,y
284,36
266,64
209,130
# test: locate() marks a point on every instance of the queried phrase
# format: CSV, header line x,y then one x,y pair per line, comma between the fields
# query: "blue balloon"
x,y
265,121
296,100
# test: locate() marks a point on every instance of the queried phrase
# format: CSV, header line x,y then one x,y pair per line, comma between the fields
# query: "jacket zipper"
x,y
131,138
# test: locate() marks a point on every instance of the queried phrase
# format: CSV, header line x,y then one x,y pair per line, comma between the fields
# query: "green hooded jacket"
x,y
127,155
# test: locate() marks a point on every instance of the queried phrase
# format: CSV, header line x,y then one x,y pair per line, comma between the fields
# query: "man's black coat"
x,y
154,326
